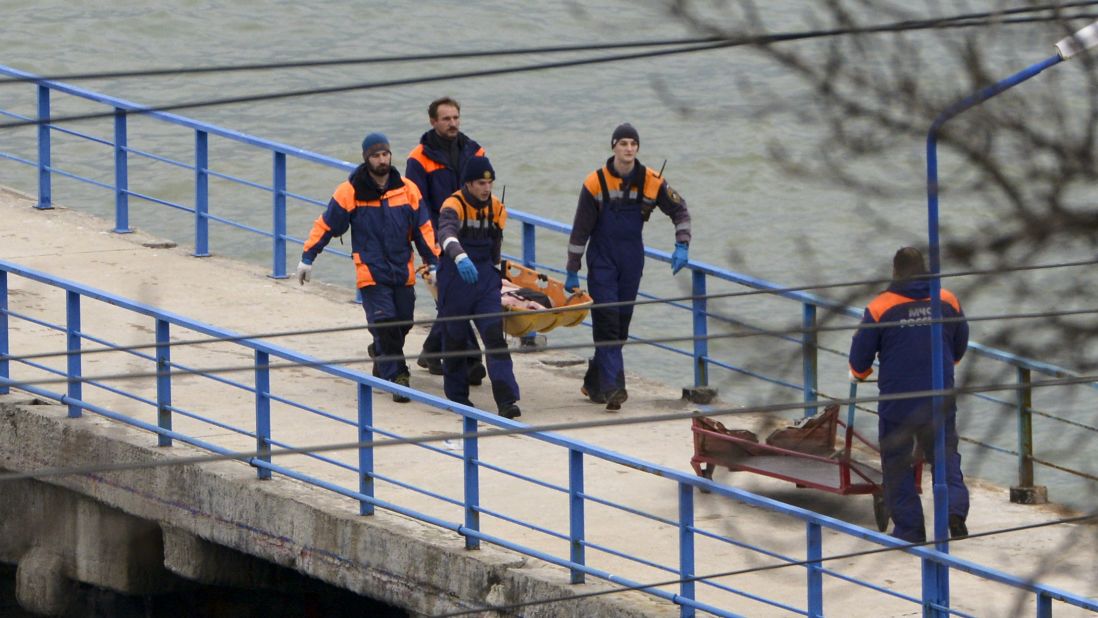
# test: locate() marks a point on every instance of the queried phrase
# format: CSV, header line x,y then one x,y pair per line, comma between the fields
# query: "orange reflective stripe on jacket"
x,y
493,217
652,183
429,164
370,228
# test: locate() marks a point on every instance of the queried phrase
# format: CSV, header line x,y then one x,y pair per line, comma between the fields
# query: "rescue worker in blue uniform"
x,y
383,212
614,205
902,343
470,231
436,166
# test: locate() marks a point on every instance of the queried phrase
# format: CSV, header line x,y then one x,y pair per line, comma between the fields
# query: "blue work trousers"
x,y
898,440
389,303
615,263
456,297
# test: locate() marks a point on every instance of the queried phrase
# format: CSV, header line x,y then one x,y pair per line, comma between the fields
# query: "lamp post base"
x,y
699,394
1037,494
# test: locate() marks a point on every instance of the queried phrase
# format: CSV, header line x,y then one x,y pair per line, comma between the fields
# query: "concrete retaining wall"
x,y
138,531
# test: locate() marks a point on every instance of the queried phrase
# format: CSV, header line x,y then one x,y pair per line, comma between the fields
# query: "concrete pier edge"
x,y
387,557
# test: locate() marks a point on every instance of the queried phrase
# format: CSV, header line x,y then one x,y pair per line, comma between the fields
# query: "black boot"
x,y
432,365
957,527
593,396
477,373
510,410
615,399
372,352
402,380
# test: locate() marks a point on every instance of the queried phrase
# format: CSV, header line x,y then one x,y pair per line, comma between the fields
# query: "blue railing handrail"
x,y
197,125
798,296
343,372
671,474
337,371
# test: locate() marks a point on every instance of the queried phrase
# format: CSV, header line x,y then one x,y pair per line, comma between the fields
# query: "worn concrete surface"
x,y
390,556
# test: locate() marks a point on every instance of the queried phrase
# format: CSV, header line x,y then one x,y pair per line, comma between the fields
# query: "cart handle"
x,y
849,438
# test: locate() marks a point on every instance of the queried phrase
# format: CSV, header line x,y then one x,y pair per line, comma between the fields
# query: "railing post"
x,y
365,454
1025,429
529,244
815,571
263,411
809,352
472,482
1026,492
163,382
701,329
121,174
279,268
1044,605
45,188
686,547
935,589
72,345
5,364
576,531
529,341
201,194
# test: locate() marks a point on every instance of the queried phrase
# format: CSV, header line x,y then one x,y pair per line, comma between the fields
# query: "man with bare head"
x,y
436,166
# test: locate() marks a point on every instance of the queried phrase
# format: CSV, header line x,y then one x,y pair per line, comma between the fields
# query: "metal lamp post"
x,y
936,576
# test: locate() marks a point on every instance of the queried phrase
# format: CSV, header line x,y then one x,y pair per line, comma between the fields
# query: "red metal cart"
x,y
804,454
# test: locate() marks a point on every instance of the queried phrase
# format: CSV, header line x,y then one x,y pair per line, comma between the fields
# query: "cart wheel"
x,y
707,473
880,511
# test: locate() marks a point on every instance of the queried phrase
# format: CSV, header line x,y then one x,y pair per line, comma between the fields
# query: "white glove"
x,y
304,272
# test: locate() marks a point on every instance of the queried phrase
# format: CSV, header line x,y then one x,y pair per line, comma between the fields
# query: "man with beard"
x,y
383,212
471,234
436,166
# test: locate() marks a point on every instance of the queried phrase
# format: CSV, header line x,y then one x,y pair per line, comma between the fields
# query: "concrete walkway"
x,y
240,297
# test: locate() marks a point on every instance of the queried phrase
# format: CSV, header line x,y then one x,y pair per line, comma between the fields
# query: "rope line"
x,y
720,43
608,305
519,430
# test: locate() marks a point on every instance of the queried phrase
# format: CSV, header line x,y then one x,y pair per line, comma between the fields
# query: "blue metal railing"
x,y
282,198
469,525
701,360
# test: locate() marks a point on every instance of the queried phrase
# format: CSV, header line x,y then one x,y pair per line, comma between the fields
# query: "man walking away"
x,y
898,333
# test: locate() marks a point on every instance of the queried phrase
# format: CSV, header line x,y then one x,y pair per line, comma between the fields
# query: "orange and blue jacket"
x,y
463,219
384,223
902,341
604,187
436,171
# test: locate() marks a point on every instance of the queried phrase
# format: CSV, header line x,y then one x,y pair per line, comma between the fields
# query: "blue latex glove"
x,y
468,271
679,257
572,281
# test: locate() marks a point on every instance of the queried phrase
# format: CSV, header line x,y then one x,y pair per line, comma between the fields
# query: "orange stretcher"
x,y
574,306
803,453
